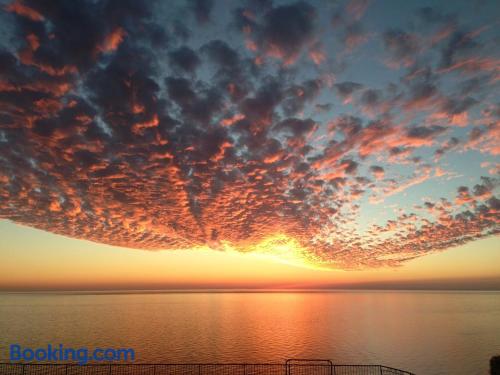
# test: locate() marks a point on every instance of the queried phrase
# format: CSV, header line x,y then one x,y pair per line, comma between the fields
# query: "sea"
x,y
425,332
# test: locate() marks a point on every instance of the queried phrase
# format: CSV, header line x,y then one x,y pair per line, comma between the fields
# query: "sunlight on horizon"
x,y
37,259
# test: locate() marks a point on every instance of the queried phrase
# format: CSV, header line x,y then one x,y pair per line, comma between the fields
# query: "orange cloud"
x,y
24,11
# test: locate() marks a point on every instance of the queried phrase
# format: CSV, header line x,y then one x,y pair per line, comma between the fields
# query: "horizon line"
x,y
239,290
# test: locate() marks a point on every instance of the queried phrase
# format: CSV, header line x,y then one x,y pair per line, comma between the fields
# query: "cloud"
x,y
402,46
377,171
184,58
145,134
21,9
424,133
346,89
354,35
357,8
459,43
284,31
201,9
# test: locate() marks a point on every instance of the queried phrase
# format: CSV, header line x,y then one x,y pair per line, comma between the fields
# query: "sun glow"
x,y
278,248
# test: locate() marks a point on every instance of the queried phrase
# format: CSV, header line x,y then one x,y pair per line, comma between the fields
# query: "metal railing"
x,y
290,367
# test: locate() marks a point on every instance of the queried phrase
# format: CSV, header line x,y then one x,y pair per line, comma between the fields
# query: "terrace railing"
x,y
291,367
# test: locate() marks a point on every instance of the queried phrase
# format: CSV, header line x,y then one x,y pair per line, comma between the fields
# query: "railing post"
x,y
244,369
110,369
380,367
23,367
199,369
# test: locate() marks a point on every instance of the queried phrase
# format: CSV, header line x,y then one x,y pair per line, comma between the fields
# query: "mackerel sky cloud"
x,y
361,134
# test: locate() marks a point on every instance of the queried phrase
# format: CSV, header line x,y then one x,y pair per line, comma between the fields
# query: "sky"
x,y
249,144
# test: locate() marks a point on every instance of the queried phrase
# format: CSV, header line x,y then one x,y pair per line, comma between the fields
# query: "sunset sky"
x,y
249,144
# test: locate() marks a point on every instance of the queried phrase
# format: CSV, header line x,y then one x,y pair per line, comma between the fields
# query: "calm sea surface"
x,y
424,332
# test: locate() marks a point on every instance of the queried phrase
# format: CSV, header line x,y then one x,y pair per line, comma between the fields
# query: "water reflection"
x,y
429,333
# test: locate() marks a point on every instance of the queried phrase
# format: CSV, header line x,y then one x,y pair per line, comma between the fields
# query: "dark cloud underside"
x,y
120,126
